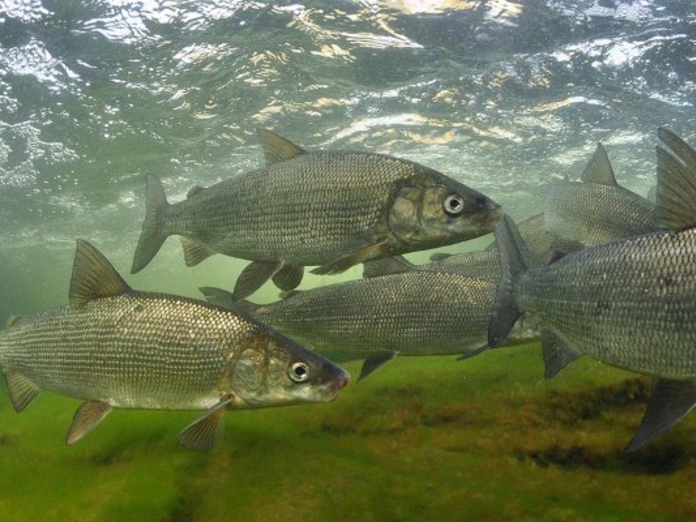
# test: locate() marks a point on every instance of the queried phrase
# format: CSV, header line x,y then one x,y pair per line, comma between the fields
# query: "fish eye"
x,y
299,371
453,204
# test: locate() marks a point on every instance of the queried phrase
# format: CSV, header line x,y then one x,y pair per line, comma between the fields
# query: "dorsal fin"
x,y
599,169
93,276
676,183
196,189
276,148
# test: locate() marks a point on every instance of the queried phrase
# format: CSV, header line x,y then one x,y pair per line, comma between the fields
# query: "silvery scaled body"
x,y
118,348
328,208
630,303
597,210
411,313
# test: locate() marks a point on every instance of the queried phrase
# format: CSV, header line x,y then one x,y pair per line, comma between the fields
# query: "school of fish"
x,y
601,271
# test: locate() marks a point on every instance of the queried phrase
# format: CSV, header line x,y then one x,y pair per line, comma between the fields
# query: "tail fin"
x,y
514,260
152,235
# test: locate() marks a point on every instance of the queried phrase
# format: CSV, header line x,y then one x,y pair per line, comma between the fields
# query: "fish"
x,y
630,303
114,347
413,313
333,209
535,234
479,264
596,210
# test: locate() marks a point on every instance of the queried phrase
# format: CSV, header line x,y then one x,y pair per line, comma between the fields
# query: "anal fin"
x,y
86,419
670,401
22,390
468,354
195,252
343,263
205,432
557,353
374,361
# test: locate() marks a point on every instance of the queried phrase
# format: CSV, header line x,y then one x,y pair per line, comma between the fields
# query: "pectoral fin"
x,y
86,419
254,275
343,263
374,361
195,252
205,432
22,390
670,401
289,277
557,353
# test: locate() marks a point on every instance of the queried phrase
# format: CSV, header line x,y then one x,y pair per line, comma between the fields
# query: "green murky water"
x,y
502,95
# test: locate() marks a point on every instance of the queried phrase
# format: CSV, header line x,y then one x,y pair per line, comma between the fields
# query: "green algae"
x,y
427,438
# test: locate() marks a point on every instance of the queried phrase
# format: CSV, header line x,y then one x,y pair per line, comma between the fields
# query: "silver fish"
x,y
411,313
329,208
479,264
535,234
597,210
117,348
630,303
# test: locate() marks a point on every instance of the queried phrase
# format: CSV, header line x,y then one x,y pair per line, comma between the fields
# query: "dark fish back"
x,y
307,210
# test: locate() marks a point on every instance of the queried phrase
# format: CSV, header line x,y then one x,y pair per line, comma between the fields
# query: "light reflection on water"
x,y
502,95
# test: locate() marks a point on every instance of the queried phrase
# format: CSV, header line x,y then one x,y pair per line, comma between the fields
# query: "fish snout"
x,y
338,382
342,381
488,204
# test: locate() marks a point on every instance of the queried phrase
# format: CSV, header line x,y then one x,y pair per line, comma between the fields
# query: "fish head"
x,y
431,210
274,370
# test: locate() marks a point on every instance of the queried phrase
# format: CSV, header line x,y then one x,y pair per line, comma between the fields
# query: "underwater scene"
x,y
369,260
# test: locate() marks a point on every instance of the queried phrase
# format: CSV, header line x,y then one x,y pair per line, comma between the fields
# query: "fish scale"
x,y
636,296
594,214
596,210
413,313
278,226
630,303
117,348
82,351
410,312
334,209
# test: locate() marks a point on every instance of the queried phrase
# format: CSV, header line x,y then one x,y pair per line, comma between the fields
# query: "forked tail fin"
x,y
152,235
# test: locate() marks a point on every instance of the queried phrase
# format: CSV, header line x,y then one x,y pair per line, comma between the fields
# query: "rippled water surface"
x,y
503,95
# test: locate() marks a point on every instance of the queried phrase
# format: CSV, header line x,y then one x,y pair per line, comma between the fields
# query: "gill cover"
x,y
432,212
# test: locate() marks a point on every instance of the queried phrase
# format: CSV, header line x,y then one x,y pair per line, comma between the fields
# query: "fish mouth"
x,y
493,216
336,385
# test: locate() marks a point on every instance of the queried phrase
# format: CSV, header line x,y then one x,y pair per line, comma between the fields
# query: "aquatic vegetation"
x,y
427,438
